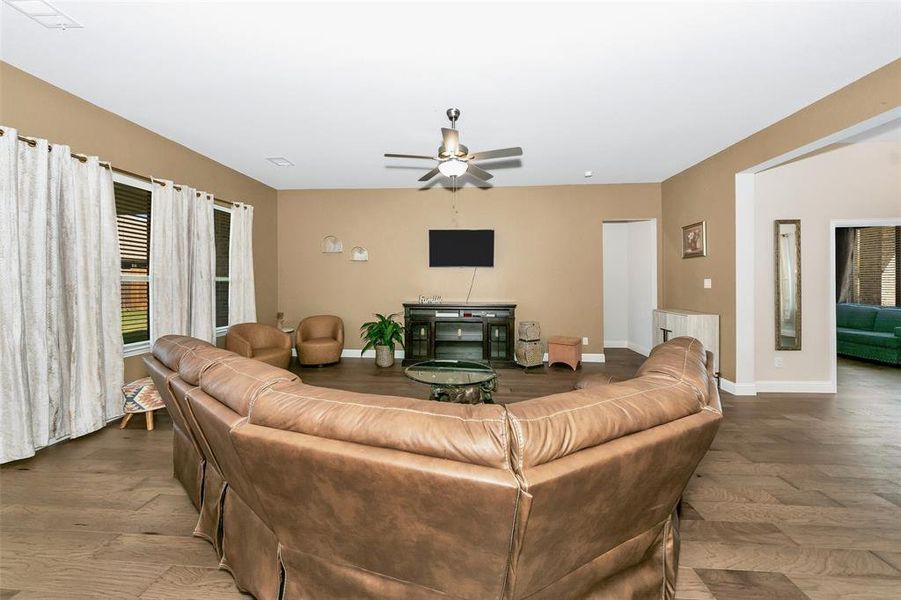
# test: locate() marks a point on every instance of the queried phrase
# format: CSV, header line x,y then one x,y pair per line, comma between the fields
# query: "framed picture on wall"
x,y
694,240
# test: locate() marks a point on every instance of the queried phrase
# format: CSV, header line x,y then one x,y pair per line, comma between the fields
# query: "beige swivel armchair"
x,y
320,340
261,342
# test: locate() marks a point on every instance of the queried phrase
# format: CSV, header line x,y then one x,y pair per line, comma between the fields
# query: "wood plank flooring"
x,y
800,497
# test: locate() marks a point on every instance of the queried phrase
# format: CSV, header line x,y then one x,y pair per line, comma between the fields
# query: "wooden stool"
x,y
562,349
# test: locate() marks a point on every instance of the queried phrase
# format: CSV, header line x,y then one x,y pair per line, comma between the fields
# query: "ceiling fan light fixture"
x,y
452,167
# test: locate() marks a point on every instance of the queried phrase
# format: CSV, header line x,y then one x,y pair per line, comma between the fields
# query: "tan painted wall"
x,y
38,109
851,181
548,251
706,191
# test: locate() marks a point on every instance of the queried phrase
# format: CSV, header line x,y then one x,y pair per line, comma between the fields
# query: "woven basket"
x,y
528,353
529,330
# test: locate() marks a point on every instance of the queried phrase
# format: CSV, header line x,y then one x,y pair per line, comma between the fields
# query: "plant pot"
x,y
384,356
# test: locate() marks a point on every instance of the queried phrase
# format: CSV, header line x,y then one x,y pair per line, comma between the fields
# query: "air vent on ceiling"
x,y
280,161
45,13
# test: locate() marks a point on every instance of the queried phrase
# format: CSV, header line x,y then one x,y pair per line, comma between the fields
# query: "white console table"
x,y
674,322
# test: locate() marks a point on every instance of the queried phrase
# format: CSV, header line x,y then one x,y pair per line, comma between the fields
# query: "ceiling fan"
x,y
454,159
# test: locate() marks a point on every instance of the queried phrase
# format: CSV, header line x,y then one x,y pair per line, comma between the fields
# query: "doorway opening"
x,y
760,368
630,283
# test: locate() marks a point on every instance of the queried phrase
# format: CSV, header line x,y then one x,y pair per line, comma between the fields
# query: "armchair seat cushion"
x,y
321,342
275,356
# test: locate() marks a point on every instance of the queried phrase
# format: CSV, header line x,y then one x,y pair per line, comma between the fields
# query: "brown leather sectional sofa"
x,y
309,492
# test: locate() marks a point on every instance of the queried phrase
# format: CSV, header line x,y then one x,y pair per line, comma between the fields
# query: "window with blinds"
x,y
875,271
221,229
133,223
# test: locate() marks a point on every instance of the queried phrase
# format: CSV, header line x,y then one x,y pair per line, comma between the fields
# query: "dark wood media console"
x,y
459,332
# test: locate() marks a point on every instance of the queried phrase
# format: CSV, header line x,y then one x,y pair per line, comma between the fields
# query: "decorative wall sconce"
x,y
359,254
332,245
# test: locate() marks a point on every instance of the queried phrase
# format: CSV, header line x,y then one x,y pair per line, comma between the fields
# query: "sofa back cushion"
x,y
682,358
170,349
887,319
673,383
855,316
475,434
233,380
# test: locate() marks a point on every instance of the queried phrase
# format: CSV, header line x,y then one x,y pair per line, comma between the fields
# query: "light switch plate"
x,y
777,362
584,341
708,283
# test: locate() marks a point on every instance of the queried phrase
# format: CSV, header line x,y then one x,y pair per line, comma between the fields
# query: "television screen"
x,y
461,248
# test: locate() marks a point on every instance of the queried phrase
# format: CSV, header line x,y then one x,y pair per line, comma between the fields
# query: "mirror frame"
x,y
778,288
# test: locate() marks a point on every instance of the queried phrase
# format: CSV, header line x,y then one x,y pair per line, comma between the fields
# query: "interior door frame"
x,y
745,383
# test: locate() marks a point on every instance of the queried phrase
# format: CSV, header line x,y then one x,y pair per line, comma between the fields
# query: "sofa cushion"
x,y
475,434
237,381
682,358
855,316
870,338
552,427
887,320
195,361
170,349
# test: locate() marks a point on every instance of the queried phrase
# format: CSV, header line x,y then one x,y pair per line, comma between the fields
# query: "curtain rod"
x,y
82,158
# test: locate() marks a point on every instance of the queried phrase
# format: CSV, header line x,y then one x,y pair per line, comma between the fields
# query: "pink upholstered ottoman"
x,y
562,349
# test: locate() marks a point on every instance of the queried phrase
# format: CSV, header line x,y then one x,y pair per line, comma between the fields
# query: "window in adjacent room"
x,y
874,271
133,224
221,229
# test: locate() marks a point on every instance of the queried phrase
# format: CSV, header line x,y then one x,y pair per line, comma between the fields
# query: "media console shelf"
x,y
459,332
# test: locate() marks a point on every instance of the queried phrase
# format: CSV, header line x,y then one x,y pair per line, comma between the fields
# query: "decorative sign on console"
x,y
430,299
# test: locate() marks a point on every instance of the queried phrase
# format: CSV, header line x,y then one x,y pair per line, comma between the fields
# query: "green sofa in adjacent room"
x,y
870,332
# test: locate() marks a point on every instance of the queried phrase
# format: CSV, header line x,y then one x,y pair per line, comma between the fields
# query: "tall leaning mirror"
x,y
788,284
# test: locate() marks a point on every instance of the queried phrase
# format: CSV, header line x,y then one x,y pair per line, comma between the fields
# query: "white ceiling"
x,y
634,92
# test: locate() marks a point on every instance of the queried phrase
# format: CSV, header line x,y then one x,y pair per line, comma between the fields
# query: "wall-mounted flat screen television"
x,y
461,247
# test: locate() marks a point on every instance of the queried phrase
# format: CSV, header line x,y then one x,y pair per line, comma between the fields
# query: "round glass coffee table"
x,y
463,381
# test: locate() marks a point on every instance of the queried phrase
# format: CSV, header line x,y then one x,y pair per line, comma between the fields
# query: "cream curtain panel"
x,y
182,262
60,340
242,304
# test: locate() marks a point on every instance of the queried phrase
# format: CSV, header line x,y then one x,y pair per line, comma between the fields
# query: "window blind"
x,y
221,233
133,224
875,271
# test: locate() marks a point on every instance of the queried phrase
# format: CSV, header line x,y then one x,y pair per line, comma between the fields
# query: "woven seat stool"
x,y
566,350
141,396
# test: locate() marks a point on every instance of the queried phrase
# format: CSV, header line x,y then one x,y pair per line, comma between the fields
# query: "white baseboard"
x,y
627,344
777,387
795,387
355,353
738,389
587,357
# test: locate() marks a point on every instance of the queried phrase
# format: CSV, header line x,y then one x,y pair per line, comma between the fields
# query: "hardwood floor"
x,y
798,498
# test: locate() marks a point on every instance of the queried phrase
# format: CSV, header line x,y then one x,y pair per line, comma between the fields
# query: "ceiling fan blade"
x,y
480,173
502,153
451,139
388,155
429,175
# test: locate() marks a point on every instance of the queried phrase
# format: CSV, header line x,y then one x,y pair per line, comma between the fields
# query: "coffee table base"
x,y
466,394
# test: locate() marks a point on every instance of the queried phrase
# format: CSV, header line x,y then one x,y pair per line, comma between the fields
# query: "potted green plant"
x,y
382,334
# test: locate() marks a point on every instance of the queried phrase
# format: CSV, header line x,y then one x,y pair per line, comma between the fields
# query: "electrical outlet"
x,y
584,341
778,362
708,283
